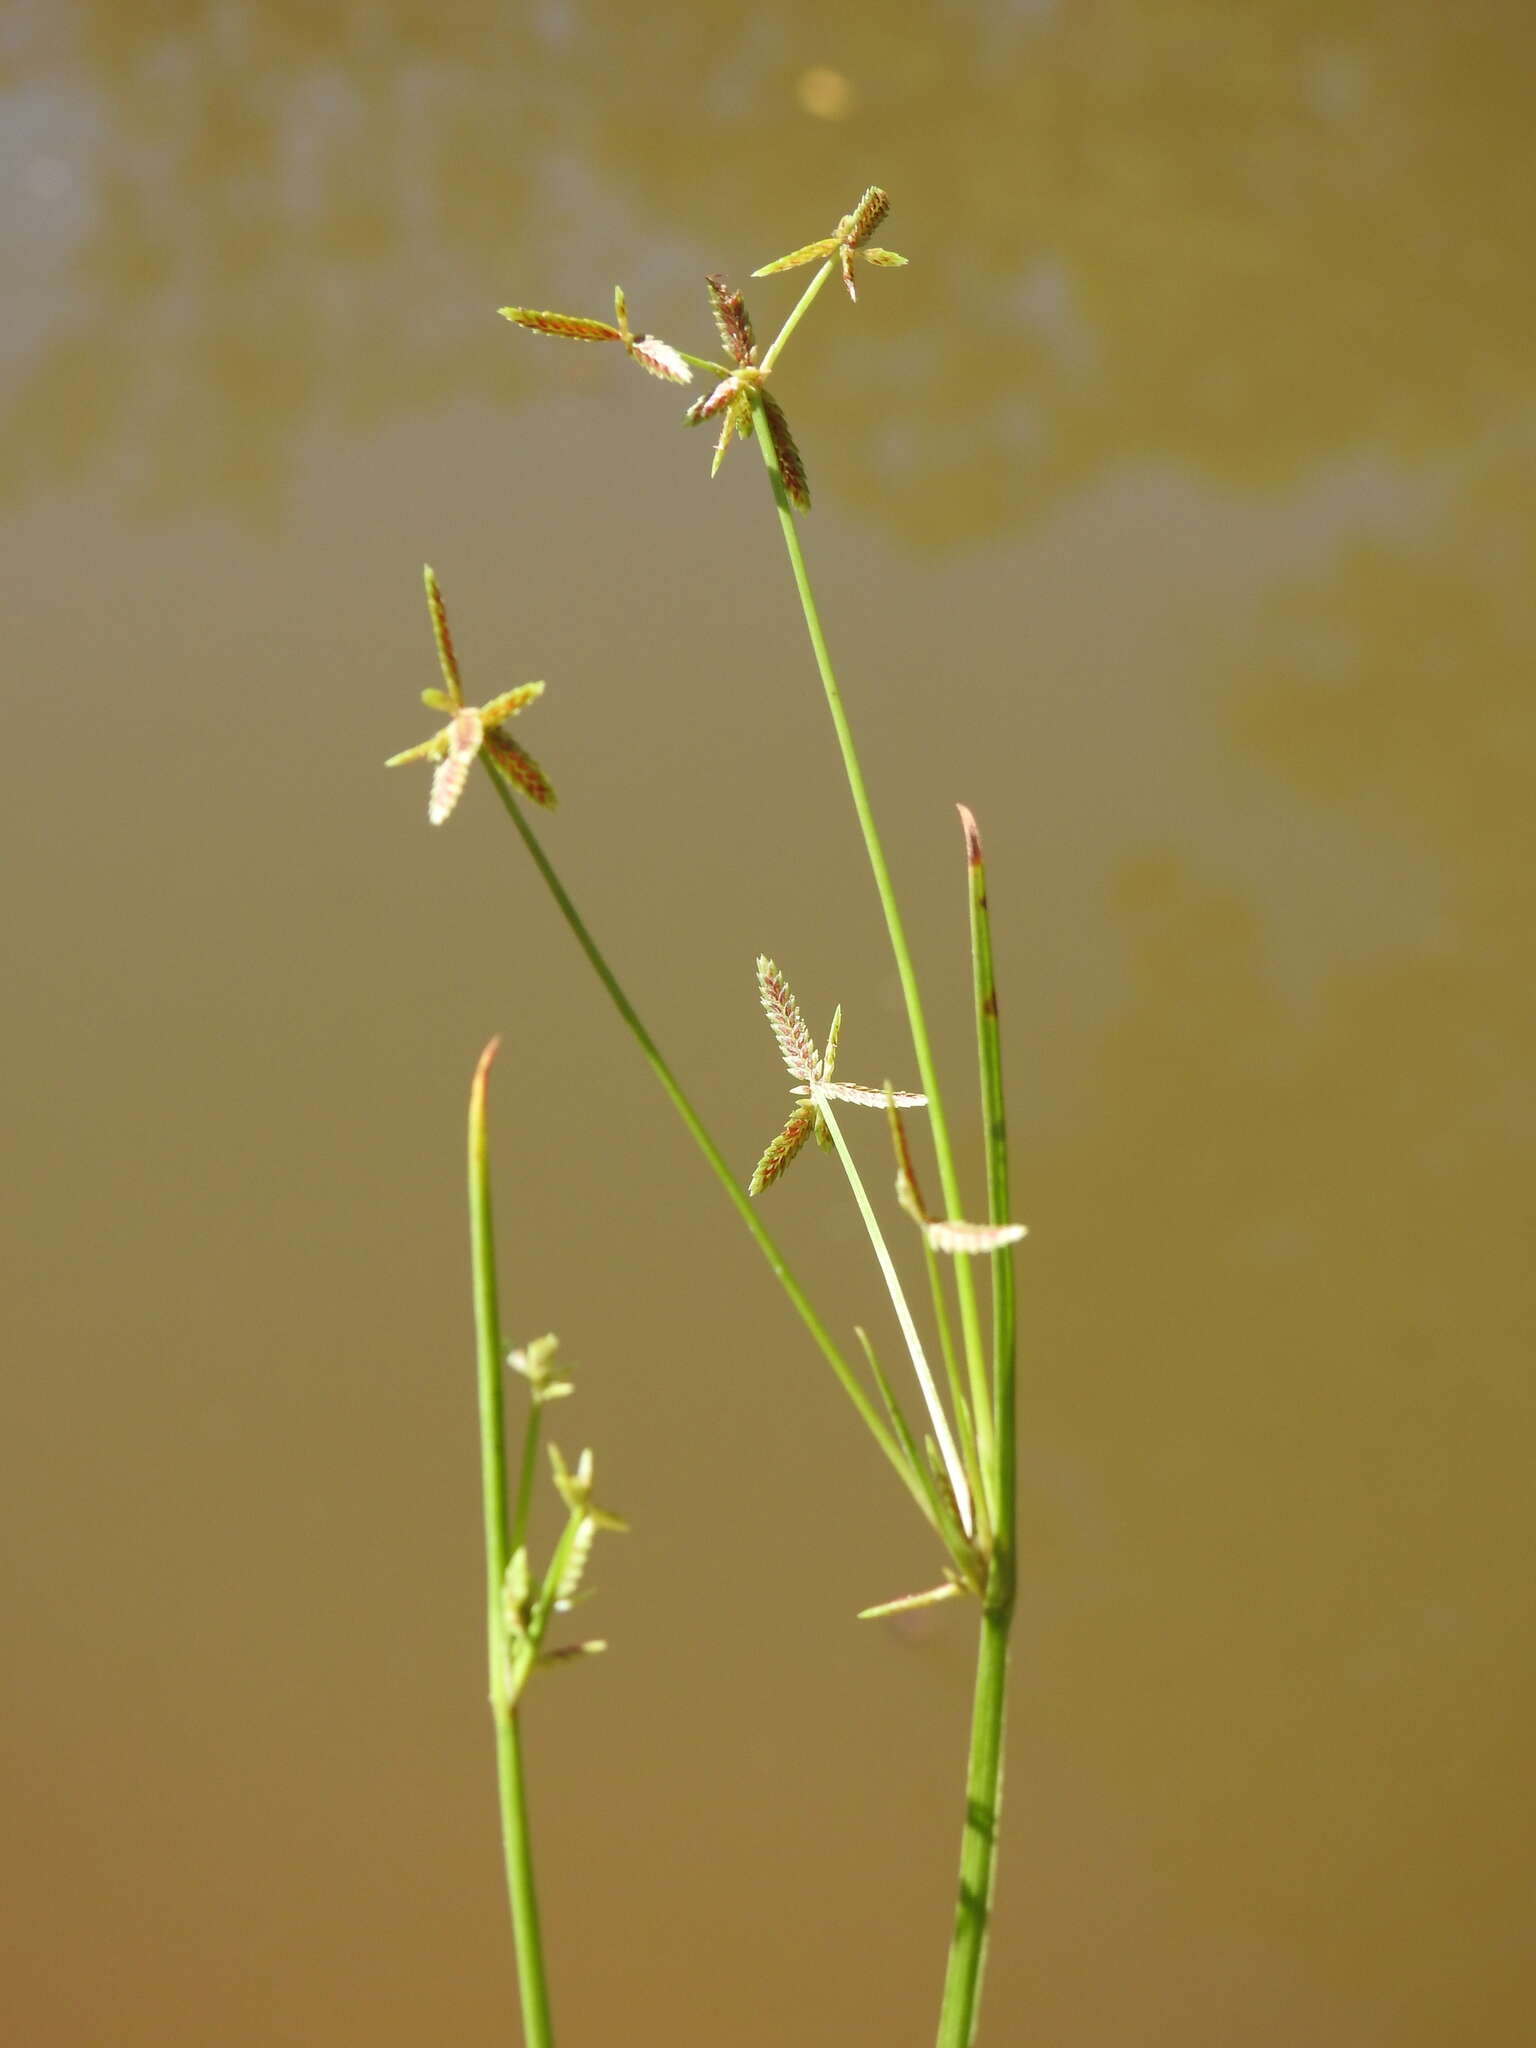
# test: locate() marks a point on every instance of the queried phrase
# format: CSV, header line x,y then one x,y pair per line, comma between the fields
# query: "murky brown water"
x,y
1174,509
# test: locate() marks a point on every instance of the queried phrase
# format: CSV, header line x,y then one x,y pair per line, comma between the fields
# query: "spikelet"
x,y
446,658
567,325
813,252
660,358
868,1098
577,1560
951,1235
858,226
713,401
519,767
950,1590
783,1014
466,735
731,317
791,468
783,1149
509,703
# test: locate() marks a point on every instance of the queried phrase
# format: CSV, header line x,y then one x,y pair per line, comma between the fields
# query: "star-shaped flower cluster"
x,y
471,729
845,242
742,388
813,1075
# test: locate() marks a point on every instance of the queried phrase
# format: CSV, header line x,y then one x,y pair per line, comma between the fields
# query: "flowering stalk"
x,y
970,1320
966,1489
516,1842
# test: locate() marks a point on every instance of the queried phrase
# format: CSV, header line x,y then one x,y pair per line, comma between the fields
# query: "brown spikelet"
x,y
783,1013
704,408
731,318
520,768
569,325
782,1150
446,658
791,468
866,217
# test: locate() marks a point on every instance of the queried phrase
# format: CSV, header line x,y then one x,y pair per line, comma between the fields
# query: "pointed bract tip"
x,y
972,835
477,1091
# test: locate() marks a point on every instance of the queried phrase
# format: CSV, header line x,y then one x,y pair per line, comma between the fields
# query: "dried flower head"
x,y
471,729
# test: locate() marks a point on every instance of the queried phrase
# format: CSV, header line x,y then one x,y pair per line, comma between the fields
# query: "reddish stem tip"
x,y
483,1066
972,836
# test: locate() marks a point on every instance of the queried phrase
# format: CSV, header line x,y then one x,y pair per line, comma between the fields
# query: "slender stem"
x,y
806,301
984,1777
704,363
989,1058
737,1195
970,1321
517,1846
527,1465
978,1843
964,1426
537,2030
935,1407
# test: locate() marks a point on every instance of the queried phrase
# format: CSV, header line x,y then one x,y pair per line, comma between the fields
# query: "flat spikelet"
x,y
519,767
789,1028
466,737
660,358
971,1238
569,326
783,1149
791,468
858,226
732,319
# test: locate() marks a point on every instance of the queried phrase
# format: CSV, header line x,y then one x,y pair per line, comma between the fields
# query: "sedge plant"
x,y
956,1462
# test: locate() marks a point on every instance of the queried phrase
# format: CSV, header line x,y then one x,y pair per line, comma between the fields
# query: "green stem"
x,y
737,1195
517,1846
528,1465
978,1843
989,1058
984,1777
537,2031
966,1428
970,1320
806,301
